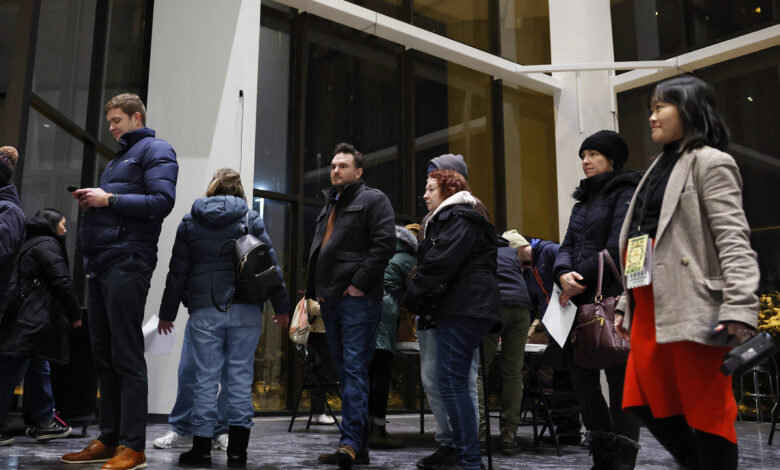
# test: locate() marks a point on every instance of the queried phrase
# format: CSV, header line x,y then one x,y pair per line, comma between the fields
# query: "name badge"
x,y
639,261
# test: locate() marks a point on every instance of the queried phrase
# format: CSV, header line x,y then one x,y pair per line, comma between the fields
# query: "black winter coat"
x,y
40,326
362,243
194,263
11,235
595,223
456,268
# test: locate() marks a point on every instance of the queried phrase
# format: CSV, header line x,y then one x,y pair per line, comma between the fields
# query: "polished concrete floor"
x,y
272,447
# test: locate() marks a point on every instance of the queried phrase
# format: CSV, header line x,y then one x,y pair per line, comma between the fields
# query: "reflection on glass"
x,y
715,20
270,381
63,56
391,8
125,63
462,21
8,15
525,31
452,115
531,178
52,162
352,96
272,156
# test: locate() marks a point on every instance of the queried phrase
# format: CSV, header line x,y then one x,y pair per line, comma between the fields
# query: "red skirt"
x,y
681,378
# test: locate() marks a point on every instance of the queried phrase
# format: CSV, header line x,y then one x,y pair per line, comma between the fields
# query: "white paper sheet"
x,y
558,320
155,343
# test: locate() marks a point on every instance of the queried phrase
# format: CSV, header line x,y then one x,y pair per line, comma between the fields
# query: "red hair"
x,y
450,182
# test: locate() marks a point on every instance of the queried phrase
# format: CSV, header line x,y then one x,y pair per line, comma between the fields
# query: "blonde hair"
x,y
226,181
129,103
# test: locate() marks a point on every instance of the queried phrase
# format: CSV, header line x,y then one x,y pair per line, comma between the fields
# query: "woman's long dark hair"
x,y
52,216
702,124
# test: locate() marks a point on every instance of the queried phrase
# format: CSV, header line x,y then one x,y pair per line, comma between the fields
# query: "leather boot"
x,y
612,451
379,438
238,440
199,455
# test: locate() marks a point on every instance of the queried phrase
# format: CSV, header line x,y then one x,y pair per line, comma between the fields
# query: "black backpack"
x,y
256,274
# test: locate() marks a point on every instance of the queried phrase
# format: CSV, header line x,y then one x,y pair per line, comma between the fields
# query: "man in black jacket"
x,y
353,242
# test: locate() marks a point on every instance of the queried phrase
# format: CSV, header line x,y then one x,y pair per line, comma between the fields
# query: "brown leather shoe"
x,y
95,451
126,458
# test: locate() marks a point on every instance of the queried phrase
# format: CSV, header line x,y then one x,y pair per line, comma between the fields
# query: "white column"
x,y
580,32
203,54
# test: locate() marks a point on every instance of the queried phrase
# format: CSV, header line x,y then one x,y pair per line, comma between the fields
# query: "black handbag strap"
x,y
602,254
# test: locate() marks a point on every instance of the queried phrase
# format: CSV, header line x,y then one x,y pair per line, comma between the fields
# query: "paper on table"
x,y
155,343
558,320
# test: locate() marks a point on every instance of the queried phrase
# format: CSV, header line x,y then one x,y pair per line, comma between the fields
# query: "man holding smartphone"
x,y
118,237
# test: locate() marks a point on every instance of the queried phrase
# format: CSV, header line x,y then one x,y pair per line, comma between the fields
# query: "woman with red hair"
x,y
455,291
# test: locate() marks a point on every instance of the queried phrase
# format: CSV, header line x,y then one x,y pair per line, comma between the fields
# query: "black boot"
x,y
238,440
612,451
199,455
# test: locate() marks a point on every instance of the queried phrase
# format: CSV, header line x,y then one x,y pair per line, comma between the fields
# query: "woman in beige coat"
x,y
694,278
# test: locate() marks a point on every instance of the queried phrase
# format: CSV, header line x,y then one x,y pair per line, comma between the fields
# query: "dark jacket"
x,y
40,326
538,275
143,174
595,222
11,235
511,284
456,266
195,263
362,242
396,277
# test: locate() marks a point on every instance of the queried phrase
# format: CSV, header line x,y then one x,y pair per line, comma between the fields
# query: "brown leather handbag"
x,y
596,343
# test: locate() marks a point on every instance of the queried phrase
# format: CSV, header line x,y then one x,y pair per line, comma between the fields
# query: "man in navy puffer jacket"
x,y
118,237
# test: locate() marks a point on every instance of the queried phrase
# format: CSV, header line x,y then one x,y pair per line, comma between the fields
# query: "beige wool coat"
x,y
703,269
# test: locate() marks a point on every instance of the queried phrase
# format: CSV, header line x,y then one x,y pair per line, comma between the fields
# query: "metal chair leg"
x,y
487,409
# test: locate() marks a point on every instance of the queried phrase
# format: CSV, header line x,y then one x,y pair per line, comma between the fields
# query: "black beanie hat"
x,y
610,144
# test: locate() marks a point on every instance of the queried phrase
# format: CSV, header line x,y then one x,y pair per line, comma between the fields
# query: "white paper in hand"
x,y
155,343
558,320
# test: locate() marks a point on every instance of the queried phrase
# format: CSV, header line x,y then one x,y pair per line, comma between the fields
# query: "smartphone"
x,y
72,188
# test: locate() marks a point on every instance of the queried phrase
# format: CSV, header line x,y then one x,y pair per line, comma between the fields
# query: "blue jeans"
x,y
351,324
428,339
180,417
38,403
223,345
458,339
115,307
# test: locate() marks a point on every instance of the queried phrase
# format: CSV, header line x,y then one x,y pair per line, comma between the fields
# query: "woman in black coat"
x,y
602,198
34,329
455,290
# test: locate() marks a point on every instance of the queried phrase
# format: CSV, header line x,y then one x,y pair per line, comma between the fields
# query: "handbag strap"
x,y
602,254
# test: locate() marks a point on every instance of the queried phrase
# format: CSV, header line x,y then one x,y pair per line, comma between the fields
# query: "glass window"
x,y
391,8
63,56
9,12
269,391
531,178
525,31
52,163
716,20
126,66
352,95
272,154
452,115
465,22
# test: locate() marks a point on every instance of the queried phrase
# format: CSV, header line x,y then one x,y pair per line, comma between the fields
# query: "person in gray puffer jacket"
x,y
380,372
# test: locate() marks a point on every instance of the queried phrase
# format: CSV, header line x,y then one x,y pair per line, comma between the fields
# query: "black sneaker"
x,y
54,429
6,439
361,458
443,455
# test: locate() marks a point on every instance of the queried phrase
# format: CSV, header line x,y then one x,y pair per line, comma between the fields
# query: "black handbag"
x,y
748,354
256,274
597,344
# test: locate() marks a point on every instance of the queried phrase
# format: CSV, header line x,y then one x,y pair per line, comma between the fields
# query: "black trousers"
x,y
115,306
379,383
322,368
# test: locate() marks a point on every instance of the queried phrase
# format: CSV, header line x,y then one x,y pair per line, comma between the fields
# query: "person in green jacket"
x,y
396,276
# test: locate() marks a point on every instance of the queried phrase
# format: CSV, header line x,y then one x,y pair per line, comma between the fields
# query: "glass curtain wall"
x,y
9,11
748,97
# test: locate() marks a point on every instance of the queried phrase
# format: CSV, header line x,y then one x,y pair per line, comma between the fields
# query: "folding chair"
x,y
310,382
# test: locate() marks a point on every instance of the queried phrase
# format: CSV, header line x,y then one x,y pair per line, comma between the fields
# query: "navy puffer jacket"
x,y
539,275
195,263
511,284
595,223
143,174
11,235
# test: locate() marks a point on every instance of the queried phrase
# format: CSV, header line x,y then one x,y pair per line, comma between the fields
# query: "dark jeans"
x,y
596,415
458,338
379,386
115,305
687,445
351,324
322,366
38,403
